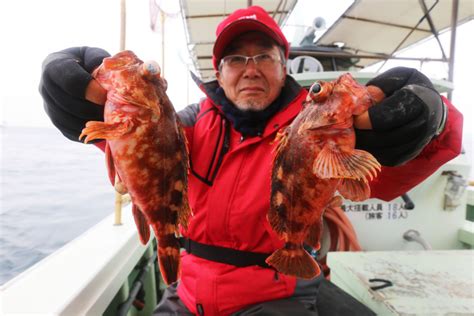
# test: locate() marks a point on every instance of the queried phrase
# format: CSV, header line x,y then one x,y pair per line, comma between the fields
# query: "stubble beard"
x,y
251,105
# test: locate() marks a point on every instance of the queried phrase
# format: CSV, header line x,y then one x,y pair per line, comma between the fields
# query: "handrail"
x,y
137,288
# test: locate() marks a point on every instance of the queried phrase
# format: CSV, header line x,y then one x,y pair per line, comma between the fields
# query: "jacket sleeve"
x,y
395,181
188,117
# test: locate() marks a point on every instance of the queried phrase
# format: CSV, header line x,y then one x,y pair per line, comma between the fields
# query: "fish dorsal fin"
x,y
354,190
332,162
142,224
281,140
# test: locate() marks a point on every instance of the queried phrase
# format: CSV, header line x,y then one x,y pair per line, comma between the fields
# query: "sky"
x,y
32,29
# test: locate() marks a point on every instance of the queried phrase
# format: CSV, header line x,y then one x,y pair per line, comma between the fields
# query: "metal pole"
x,y
118,205
432,26
123,23
123,32
162,15
452,49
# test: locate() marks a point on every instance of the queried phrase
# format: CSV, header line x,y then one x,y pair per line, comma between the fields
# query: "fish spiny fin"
x,y
102,130
315,231
354,190
184,212
294,261
169,258
355,164
142,225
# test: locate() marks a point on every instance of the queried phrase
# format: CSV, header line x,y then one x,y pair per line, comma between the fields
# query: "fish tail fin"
x,y
142,225
294,260
101,130
169,258
354,164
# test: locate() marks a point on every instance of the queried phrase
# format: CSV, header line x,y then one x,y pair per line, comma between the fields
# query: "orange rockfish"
x,y
315,157
146,147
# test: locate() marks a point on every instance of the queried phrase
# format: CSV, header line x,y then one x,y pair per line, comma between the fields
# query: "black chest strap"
x,y
225,255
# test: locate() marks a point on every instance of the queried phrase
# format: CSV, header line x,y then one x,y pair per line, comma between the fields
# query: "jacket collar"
x,y
249,123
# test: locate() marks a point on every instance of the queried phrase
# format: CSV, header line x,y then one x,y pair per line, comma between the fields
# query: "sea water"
x,y
51,191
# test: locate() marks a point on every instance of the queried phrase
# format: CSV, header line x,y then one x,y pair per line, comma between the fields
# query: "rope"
x,y
343,235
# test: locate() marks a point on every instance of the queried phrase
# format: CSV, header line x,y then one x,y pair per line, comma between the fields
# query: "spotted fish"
x,y
315,157
146,147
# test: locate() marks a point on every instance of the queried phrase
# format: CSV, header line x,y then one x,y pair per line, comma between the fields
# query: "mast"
x,y
123,23
452,49
123,32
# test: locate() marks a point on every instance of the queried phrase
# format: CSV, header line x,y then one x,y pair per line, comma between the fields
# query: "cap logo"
x,y
252,17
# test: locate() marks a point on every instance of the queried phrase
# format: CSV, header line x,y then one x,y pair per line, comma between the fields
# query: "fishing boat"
x,y
417,257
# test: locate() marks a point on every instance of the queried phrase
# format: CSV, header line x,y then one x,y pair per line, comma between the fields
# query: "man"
x,y
230,135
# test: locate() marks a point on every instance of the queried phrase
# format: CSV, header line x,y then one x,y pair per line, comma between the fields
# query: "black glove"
x,y
411,114
64,80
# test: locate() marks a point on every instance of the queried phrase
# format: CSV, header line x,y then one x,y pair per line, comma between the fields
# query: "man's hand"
x,y
95,93
411,114
71,97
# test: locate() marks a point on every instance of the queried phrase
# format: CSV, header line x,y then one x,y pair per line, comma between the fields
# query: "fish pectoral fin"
x,y
102,130
354,190
355,164
142,224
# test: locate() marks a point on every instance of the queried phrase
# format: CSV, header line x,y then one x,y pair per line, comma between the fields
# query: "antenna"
x,y
319,24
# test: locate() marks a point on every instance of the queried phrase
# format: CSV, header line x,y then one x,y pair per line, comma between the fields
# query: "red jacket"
x,y
229,191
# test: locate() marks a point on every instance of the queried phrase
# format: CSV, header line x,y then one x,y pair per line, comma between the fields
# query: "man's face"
x,y
252,86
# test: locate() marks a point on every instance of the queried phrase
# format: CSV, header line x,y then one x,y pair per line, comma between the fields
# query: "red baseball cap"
x,y
253,18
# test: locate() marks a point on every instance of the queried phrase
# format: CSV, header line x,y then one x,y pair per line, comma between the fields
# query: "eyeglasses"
x,y
240,61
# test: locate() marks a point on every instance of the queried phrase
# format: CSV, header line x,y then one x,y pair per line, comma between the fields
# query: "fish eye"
x,y
150,70
315,88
